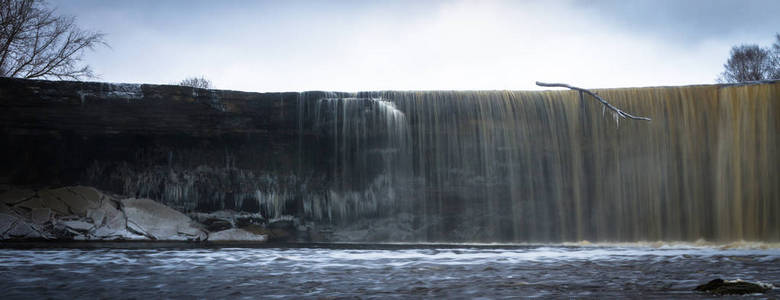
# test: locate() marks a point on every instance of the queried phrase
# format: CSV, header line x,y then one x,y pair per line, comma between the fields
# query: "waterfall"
x,y
369,142
418,166
520,166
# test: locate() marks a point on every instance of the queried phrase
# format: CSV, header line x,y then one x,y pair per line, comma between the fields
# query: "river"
x,y
121,271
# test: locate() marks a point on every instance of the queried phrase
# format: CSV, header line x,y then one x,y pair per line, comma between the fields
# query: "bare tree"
x,y
776,58
197,82
748,63
36,43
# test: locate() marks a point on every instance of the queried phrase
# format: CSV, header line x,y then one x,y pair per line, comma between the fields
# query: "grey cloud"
x,y
689,20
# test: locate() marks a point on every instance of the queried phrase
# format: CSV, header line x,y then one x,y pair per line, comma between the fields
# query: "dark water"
x,y
356,271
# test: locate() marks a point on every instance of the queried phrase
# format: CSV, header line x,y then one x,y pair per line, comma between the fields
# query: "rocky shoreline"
x,y
80,213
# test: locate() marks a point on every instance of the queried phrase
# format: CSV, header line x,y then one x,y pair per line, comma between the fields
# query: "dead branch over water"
x,y
618,113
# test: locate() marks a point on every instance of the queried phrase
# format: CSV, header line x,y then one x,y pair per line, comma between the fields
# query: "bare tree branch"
x,y
35,43
618,112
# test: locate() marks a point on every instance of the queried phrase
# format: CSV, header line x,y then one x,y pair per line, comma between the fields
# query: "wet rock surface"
x,y
733,287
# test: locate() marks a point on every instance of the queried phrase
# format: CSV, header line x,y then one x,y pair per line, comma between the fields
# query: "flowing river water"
x,y
319,271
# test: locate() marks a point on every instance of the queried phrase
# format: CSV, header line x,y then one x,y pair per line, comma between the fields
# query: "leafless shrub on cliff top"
x,y
197,82
36,43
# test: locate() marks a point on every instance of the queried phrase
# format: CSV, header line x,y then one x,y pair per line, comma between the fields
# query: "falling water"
x,y
550,166
369,139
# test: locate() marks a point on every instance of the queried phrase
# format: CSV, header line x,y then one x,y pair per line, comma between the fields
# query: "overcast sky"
x,y
420,45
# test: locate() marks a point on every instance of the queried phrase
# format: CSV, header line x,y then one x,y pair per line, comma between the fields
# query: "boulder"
x,y
138,230
226,214
733,287
226,219
236,235
51,201
215,224
7,221
115,220
84,213
105,233
23,230
192,233
79,199
88,194
97,215
5,209
272,234
258,229
31,203
78,226
40,215
14,196
282,224
159,222
244,220
107,214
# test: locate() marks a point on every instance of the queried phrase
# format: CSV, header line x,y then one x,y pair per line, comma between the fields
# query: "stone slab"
x,y
156,220
236,235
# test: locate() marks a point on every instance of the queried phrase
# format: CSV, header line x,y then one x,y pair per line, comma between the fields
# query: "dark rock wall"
x,y
149,140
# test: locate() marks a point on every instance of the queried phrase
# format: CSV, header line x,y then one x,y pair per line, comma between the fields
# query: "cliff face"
x,y
91,108
136,139
481,166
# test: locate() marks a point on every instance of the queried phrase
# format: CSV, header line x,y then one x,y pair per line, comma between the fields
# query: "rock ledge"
x,y
734,287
